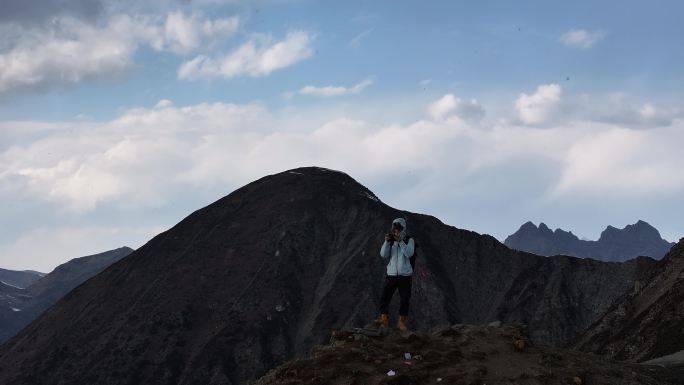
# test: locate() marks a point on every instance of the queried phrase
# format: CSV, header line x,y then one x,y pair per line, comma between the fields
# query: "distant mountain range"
x,y
20,303
20,279
262,275
639,239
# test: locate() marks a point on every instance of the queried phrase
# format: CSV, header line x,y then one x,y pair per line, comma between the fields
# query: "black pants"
x,y
392,283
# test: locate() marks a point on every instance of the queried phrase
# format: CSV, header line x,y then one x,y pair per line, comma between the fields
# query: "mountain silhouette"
x,y
20,279
264,274
639,239
20,306
647,322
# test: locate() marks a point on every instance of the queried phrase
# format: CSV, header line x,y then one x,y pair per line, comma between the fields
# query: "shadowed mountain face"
x,y
647,322
639,239
20,279
18,307
263,274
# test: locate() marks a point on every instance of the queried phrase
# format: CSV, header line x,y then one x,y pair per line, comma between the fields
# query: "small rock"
x,y
577,381
495,324
519,344
391,373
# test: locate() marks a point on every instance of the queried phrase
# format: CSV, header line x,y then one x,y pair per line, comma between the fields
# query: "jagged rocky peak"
x,y
528,226
640,229
638,239
544,228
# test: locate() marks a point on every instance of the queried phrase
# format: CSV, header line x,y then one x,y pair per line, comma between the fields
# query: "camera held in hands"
x,y
390,236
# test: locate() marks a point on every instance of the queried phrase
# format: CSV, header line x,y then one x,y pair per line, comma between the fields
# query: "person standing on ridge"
x,y
399,248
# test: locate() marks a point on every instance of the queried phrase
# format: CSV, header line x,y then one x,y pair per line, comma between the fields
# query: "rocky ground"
x,y
461,354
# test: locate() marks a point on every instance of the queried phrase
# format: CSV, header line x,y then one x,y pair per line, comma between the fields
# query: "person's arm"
x,y
385,250
407,248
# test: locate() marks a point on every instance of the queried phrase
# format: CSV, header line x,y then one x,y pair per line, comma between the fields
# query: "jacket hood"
x,y
402,222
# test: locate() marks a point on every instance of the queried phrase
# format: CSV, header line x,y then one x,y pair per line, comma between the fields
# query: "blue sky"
x,y
117,119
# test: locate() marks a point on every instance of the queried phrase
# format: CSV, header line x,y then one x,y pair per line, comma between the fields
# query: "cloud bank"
x,y
153,158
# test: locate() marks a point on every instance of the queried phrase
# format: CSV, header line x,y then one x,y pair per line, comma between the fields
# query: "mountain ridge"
x,y
28,303
19,278
263,274
634,240
647,322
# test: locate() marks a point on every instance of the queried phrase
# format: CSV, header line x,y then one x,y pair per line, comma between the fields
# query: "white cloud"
x,y
424,82
68,51
336,90
84,165
615,108
356,41
137,158
164,103
539,107
581,38
184,34
443,107
449,106
257,57
619,161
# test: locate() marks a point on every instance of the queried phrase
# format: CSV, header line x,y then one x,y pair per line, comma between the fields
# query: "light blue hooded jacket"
x,y
399,253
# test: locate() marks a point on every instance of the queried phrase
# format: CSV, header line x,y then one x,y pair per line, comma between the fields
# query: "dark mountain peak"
x,y
303,183
72,273
561,231
544,228
638,239
643,227
639,230
529,225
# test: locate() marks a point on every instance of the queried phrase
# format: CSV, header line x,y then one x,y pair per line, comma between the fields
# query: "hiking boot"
x,y
382,321
401,325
